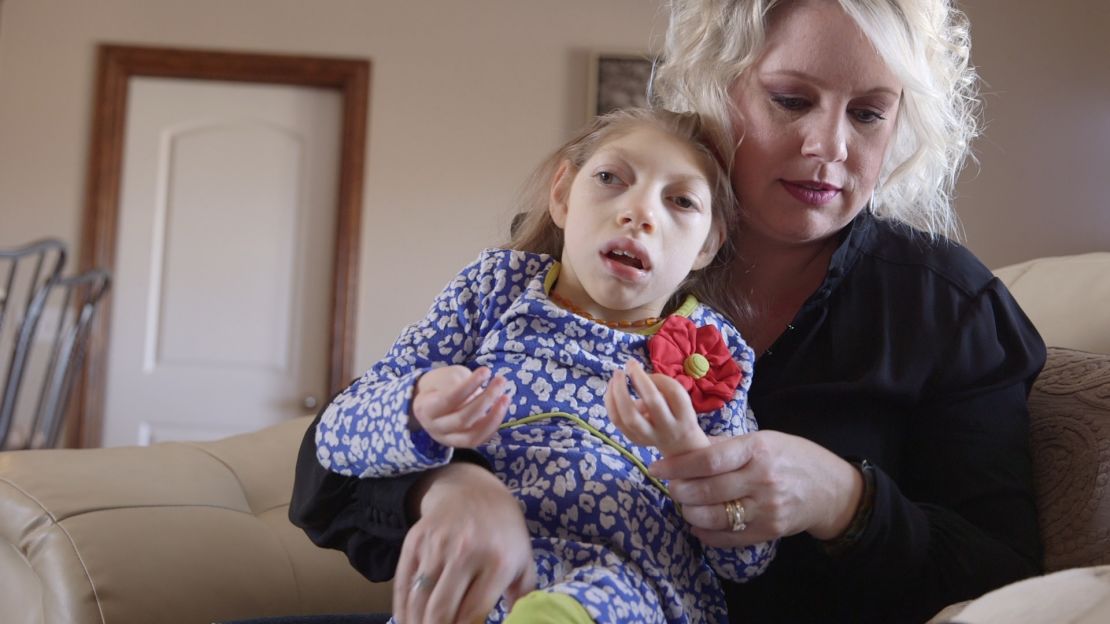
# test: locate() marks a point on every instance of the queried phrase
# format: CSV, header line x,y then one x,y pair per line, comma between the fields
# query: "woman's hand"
x,y
451,406
469,547
785,483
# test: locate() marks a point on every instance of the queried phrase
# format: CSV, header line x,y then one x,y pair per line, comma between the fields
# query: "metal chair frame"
x,y
80,297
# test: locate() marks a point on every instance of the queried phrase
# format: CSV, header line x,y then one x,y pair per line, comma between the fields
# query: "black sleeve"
x,y
364,518
971,525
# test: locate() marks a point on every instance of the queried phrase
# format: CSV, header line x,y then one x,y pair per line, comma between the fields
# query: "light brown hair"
x,y
535,231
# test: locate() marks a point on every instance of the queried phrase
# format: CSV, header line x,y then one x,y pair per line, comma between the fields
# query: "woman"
x,y
893,370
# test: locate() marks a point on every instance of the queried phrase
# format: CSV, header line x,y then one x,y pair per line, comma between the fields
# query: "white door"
x,y
221,294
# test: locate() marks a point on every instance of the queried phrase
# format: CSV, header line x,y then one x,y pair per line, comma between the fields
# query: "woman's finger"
x,y
405,573
715,516
446,597
732,539
479,598
721,457
524,583
424,580
715,490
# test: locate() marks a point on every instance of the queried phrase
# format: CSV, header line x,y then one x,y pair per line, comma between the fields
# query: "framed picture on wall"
x,y
617,80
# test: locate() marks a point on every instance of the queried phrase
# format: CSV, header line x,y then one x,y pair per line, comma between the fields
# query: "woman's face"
x,y
816,112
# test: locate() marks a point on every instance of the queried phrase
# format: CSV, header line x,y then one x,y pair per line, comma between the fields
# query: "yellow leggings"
x,y
540,607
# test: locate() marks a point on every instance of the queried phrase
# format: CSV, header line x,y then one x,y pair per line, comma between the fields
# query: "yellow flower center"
x,y
696,366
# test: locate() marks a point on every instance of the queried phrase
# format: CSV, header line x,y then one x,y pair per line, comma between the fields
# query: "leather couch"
x,y
197,532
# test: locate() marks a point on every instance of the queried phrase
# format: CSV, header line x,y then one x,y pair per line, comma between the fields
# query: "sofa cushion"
x,y
1066,298
1070,440
1075,596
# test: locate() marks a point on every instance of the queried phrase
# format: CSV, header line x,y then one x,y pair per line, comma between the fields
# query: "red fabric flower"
x,y
699,359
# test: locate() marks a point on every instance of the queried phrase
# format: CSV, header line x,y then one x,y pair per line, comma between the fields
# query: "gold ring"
x,y
736,515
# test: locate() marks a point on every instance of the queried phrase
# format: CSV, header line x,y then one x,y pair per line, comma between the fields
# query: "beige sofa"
x,y
194,533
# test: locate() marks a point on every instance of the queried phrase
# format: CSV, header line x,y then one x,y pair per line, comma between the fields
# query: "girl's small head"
x,y
637,207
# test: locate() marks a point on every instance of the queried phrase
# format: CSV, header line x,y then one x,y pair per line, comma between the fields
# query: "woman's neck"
x,y
777,280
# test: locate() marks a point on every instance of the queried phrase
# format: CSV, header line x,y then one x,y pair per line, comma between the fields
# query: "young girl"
x,y
601,284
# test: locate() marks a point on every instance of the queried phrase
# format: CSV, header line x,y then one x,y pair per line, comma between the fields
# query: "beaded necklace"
x,y
564,303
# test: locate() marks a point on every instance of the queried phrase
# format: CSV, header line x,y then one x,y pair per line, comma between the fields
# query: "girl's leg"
x,y
542,607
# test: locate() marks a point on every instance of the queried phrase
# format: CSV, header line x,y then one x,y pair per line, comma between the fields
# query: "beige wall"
x,y
1040,187
468,95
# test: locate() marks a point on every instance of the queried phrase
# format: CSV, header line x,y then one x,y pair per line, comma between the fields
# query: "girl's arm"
x,y
368,429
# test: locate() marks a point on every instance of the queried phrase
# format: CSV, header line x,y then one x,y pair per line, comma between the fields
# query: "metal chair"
x,y
45,354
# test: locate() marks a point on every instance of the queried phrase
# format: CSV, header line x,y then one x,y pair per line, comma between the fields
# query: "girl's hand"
x,y
787,485
469,547
662,417
450,404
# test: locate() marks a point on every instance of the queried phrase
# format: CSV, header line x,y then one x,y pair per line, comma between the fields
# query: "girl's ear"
x,y
560,190
712,245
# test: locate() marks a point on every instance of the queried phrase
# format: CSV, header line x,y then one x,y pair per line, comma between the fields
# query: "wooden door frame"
x,y
116,65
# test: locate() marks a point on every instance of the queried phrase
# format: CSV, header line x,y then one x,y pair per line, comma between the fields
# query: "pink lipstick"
x,y
809,192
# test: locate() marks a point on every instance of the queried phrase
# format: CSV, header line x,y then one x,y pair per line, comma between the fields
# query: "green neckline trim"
x,y
689,304
594,430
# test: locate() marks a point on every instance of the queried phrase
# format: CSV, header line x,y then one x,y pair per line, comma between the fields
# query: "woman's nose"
x,y
826,138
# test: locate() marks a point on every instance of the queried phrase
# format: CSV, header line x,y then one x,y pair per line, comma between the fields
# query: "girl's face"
x,y
637,218
816,113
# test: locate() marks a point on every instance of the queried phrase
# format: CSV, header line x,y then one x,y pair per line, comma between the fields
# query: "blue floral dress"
x,y
604,532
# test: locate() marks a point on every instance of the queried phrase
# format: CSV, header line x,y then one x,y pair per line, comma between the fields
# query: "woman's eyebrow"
x,y
801,75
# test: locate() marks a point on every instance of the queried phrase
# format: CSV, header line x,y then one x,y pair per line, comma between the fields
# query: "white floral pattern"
x,y
602,531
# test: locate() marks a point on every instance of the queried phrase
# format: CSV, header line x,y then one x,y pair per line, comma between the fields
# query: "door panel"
x,y
220,318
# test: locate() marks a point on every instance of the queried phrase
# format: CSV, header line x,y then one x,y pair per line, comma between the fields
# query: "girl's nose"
x,y
639,214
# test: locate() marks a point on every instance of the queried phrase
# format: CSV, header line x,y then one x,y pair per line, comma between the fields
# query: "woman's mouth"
x,y
812,193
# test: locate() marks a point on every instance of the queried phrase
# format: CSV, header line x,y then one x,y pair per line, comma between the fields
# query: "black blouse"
x,y
910,355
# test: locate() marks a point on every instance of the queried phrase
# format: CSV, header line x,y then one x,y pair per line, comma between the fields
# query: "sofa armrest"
x,y
175,532
1070,442
1069,409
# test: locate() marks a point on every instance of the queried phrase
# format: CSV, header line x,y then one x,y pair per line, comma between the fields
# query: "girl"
x,y
602,282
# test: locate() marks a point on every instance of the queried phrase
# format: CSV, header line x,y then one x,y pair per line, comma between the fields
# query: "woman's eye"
x,y
867,116
790,102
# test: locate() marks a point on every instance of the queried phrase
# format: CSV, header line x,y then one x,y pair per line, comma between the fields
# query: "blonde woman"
x,y
892,368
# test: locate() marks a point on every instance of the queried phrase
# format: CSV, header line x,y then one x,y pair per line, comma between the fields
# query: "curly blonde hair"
x,y
926,43
534,230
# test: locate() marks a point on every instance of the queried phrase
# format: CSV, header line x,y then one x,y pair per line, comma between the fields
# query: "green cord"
x,y
604,438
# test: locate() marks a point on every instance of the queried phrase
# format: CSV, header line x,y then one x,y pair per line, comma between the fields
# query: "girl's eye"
x,y
790,102
684,202
867,116
607,177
